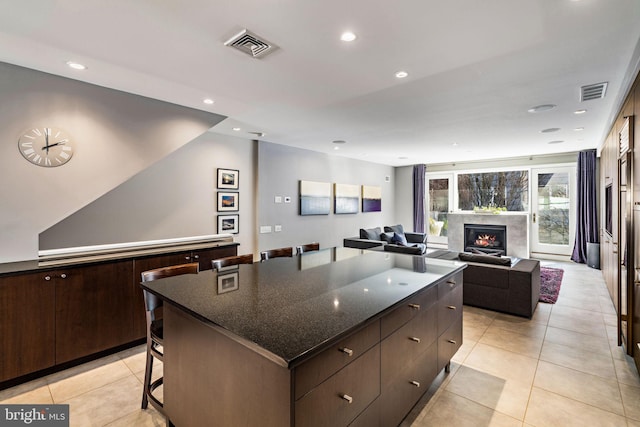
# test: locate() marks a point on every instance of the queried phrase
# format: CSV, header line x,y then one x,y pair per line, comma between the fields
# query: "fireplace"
x,y
483,238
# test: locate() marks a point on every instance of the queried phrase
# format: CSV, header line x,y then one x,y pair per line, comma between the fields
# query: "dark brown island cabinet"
x,y
71,310
331,338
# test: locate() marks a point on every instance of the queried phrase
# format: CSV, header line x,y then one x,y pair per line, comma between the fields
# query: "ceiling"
x,y
475,68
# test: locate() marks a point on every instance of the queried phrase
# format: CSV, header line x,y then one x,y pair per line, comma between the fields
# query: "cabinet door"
x,y
94,309
27,323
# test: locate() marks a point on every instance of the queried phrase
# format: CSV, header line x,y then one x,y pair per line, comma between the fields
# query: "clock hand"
x,y
46,140
52,145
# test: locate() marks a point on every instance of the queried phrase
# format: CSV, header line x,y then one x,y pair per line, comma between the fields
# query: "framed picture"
x,y
315,198
228,202
346,198
228,224
228,282
228,178
371,199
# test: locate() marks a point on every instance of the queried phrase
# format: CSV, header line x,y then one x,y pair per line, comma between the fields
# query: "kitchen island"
x,y
335,337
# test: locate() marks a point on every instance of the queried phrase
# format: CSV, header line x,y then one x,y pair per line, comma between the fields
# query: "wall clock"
x,y
46,146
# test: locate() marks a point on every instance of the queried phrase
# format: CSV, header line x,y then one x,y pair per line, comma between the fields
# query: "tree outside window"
x,y
508,190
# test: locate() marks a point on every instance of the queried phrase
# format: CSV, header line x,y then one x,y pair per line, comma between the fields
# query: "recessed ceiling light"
x,y
555,142
401,74
258,133
579,111
541,108
237,129
339,141
76,65
578,129
549,130
208,101
348,36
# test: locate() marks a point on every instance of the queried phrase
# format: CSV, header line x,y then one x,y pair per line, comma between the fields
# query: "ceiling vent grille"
x,y
251,44
596,91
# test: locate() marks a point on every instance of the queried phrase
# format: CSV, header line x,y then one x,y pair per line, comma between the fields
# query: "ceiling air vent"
x,y
251,44
595,91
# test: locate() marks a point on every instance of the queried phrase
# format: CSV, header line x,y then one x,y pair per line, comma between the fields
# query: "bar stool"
x,y
276,253
219,263
155,329
307,248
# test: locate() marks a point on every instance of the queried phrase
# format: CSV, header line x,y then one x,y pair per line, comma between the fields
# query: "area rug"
x,y
550,281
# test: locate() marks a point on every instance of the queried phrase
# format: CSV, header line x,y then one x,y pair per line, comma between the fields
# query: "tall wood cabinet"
x,y
620,220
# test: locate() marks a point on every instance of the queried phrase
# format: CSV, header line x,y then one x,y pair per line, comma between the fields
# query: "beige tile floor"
x,y
562,368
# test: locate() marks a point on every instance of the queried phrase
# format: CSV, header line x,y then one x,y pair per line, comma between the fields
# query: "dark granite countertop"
x,y
289,308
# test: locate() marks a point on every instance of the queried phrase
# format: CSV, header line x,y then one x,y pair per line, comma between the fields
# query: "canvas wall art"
x,y
346,199
371,198
315,198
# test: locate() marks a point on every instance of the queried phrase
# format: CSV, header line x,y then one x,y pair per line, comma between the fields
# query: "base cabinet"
x,y
27,324
58,315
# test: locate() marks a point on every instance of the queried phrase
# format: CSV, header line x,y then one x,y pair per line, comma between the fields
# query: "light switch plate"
x,y
278,199
277,228
265,229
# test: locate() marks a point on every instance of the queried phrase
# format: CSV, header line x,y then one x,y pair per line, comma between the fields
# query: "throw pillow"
x,y
486,259
394,228
386,237
399,239
370,233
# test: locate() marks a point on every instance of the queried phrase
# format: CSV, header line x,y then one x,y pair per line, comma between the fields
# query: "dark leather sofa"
x,y
389,239
509,285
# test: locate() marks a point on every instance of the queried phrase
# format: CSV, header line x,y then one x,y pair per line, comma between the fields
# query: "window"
x,y
508,190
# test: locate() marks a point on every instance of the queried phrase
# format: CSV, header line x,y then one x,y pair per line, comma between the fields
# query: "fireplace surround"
x,y
517,230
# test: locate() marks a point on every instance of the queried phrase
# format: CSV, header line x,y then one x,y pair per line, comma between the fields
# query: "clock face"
x,y
46,146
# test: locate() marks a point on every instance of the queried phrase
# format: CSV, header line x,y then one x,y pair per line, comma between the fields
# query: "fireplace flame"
x,y
485,240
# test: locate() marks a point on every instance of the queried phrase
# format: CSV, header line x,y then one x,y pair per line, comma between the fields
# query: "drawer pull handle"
x,y
64,276
451,307
347,398
452,341
196,256
188,258
47,277
415,383
347,351
415,339
451,283
415,306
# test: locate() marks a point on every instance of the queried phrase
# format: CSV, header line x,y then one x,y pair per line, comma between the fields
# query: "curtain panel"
x,y
587,220
419,178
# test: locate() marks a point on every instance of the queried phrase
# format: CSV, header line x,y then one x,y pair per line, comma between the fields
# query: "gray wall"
x,y
175,197
280,169
116,136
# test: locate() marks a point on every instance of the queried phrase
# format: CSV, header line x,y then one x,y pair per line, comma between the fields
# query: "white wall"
x,y
116,135
175,197
280,170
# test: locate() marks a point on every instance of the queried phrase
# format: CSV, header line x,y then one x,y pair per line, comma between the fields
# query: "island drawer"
x,y
449,307
408,310
407,344
449,342
319,368
339,400
410,384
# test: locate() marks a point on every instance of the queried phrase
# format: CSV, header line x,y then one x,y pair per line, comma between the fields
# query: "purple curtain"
x,y
587,220
418,197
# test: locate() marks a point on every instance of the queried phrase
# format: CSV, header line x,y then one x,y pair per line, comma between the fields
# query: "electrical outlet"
x,y
287,199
